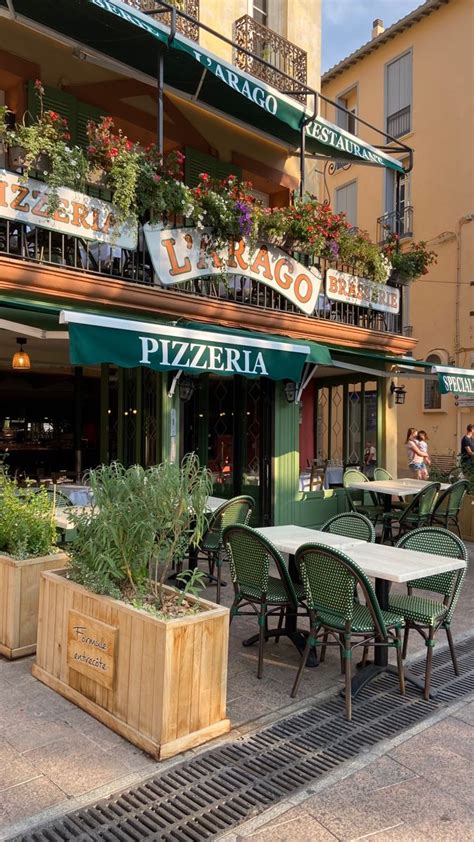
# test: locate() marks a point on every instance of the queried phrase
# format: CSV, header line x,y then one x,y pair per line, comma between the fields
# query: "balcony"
x,y
22,242
189,7
396,222
287,59
399,123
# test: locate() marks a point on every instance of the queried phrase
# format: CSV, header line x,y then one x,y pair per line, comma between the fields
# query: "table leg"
x,y
290,629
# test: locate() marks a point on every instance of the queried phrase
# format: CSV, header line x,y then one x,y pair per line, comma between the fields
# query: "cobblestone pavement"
x,y
54,757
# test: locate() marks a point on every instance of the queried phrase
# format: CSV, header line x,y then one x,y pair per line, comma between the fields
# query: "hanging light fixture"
x,y
21,360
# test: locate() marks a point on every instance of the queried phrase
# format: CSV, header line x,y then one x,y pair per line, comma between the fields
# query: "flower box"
x,y
17,156
160,684
19,596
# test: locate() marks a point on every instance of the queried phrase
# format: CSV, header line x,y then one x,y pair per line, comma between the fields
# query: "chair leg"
x,y
322,654
347,654
341,654
405,641
210,562
429,661
304,658
218,590
451,649
262,621
280,624
401,673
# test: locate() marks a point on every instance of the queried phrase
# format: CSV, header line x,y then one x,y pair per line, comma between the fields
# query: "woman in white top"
x,y
415,453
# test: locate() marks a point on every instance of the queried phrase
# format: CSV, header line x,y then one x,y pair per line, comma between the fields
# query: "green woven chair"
x,y
427,615
235,510
351,525
380,474
418,513
356,498
448,505
329,580
250,555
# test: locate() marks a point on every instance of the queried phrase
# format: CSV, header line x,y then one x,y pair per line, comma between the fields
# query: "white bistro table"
x,y
79,495
395,488
383,563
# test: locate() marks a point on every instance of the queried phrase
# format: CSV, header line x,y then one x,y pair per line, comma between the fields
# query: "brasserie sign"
x,y
181,254
353,290
26,200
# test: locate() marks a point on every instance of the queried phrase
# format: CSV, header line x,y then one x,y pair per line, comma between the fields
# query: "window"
x,y
346,202
347,101
398,95
198,162
260,11
432,399
405,210
76,112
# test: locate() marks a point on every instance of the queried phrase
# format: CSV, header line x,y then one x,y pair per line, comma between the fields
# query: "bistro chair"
x,y
427,615
356,498
58,497
380,474
250,556
330,579
417,513
351,525
235,510
448,505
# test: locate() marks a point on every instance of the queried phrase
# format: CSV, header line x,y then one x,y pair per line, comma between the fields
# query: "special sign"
x,y
353,290
91,648
180,254
78,215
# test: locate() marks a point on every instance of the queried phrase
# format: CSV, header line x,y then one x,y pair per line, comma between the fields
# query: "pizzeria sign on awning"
x,y
189,347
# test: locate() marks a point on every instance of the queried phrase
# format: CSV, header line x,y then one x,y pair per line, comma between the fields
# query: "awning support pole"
x,y
397,209
305,123
174,383
159,103
308,374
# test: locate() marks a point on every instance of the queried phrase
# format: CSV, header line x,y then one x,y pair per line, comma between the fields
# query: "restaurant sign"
x,y
353,290
181,254
25,200
461,384
91,646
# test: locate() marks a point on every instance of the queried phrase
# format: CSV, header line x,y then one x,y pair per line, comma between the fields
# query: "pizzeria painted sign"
x,y
181,254
353,290
26,200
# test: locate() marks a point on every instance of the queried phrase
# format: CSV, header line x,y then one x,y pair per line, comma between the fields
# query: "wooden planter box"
x,y
19,597
466,518
161,685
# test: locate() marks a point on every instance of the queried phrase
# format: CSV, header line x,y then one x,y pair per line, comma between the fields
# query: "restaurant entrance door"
x,y
228,423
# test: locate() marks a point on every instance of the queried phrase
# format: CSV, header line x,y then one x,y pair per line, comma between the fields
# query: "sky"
x,y
347,24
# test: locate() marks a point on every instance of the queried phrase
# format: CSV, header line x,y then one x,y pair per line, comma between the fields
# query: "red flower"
x,y
53,115
113,152
205,177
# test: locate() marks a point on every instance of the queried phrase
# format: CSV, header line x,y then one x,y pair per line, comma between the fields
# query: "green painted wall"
x,y
303,508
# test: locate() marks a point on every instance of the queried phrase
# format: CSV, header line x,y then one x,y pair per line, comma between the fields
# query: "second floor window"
x,y
398,95
432,396
260,11
346,202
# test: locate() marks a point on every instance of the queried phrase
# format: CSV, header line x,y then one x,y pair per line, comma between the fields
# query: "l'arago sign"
x,y
26,200
181,254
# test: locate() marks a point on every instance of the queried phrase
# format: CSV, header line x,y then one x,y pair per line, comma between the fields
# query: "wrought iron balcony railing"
x,y
287,59
399,123
183,25
396,222
20,241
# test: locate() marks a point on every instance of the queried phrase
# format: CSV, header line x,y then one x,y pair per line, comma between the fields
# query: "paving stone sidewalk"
x,y
55,758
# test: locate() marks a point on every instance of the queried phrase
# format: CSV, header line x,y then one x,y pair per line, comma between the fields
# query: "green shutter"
x,y
54,100
197,162
85,113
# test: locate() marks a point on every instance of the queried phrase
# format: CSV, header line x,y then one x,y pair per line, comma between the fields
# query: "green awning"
x,y
378,359
459,381
188,346
118,30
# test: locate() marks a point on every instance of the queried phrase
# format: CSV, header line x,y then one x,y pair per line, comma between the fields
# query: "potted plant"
x,y
146,659
410,263
27,548
41,145
114,162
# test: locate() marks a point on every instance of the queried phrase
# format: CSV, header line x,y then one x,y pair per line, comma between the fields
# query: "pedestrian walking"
x,y
467,449
415,454
422,441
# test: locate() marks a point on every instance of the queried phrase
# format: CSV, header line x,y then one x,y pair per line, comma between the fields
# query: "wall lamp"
x,y
290,389
186,388
399,392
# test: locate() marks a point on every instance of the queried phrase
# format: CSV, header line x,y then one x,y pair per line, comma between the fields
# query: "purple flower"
x,y
245,218
334,247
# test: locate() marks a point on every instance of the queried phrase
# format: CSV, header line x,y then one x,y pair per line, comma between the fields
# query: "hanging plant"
x,y
118,159
43,145
411,263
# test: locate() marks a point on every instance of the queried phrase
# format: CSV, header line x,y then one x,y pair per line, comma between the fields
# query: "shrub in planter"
x,y
146,659
27,547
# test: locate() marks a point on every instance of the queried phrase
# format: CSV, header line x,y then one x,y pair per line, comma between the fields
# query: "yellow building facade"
x,y
417,80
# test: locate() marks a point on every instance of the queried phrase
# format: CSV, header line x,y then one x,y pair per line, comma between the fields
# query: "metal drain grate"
x,y
221,788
